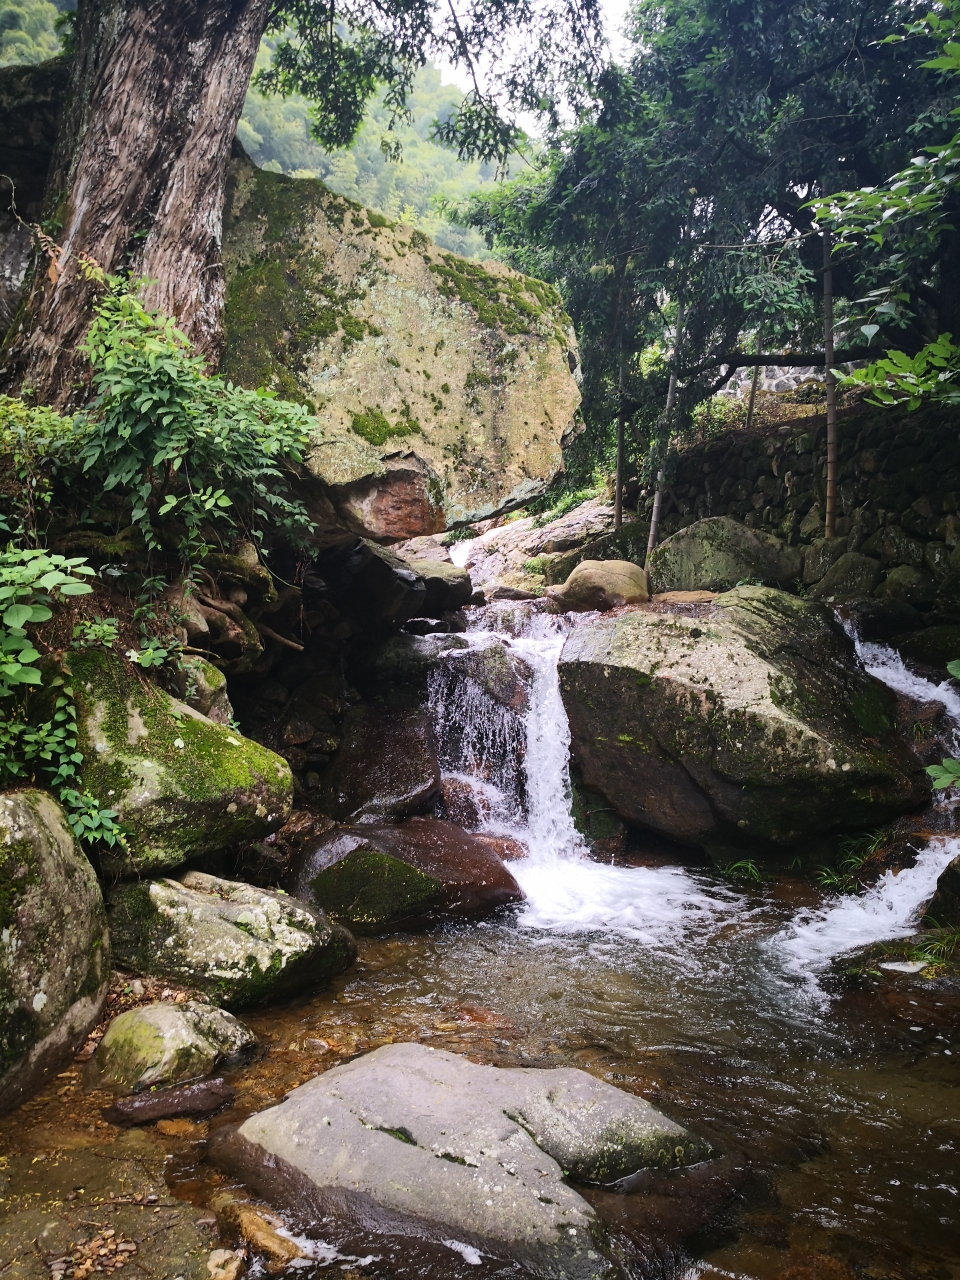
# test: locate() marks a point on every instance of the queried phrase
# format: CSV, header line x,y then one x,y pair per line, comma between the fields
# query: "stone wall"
x,y
896,469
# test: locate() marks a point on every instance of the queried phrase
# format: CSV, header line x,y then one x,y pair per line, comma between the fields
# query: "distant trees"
x,y
28,31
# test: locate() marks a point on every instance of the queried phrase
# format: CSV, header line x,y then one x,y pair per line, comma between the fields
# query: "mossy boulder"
x,y
600,585
442,387
448,587
851,577
375,878
239,945
205,690
54,951
908,584
716,554
160,1044
751,727
943,910
183,785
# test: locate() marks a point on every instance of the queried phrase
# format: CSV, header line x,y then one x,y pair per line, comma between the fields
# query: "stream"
x,y
835,1105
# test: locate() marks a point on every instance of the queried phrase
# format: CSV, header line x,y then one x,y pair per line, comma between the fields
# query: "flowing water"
x,y
836,1103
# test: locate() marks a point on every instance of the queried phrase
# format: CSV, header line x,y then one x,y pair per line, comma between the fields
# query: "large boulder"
x,y
239,945
415,1140
717,553
54,952
392,877
600,585
749,727
448,587
158,1045
850,577
442,387
182,784
943,910
386,766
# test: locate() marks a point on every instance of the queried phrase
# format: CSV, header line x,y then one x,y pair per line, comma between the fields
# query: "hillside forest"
x,y
479,639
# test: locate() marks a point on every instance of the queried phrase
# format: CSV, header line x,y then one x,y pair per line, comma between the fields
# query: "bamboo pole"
x,y
668,414
621,427
830,515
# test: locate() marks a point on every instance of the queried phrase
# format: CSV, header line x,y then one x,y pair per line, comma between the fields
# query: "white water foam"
x,y
890,909
887,666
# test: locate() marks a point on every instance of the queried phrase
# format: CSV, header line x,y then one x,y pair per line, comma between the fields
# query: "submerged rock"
x,y
239,945
752,726
717,553
182,785
601,585
379,877
442,387
54,951
386,766
417,1140
167,1044
183,1100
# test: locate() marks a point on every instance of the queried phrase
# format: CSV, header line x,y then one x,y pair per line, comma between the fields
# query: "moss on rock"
x,y
751,727
54,949
182,784
240,945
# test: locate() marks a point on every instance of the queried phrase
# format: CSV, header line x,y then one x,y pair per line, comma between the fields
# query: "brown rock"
x,y
188,1099
387,765
505,847
461,803
684,597
944,909
379,877
600,584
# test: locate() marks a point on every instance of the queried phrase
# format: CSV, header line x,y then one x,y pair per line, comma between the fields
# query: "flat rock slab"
x,y
421,1141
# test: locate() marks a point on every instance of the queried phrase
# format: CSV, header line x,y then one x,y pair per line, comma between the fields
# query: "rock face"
x,y
182,784
386,766
413,1139
943,911
167,1044
378,877
600,584
239,945
442,387
716,554
751,726
54,952
447,586
850,577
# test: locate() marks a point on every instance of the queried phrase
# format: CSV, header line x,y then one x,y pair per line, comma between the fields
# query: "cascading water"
x,y
515,761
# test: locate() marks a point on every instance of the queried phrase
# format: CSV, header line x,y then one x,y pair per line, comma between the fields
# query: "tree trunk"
x,y
753,387
621,428
668,414
138,176
830,520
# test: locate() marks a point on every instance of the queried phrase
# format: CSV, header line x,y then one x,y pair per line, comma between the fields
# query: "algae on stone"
x,y
158,1045
717,553
54,950
754,726
441,380
181,784
239,945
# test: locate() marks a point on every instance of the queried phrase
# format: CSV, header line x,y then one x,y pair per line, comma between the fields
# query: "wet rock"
x,y
943,910
183,785
881,620
505,847
852,577
449,623
931,646
413,1139
908,584
717,553
601,585
167,1044
448,587
519,585
54,949
182,1100
238,944
461,803
386,766
751,726
379,877
409,441
258,1227
407,661
496,670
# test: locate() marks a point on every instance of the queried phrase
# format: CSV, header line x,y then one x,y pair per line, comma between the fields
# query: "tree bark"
x,y
138,176
621,429
830,513
668,414
753,388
